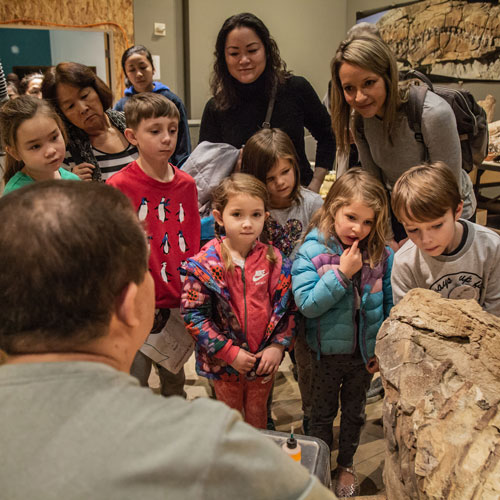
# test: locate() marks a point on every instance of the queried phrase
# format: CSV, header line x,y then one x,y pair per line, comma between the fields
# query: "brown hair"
x,y
238,184
263,150
12,114
78,75
27,79
425,193
222,83
148,105
136,49
356,185
68,251
373,54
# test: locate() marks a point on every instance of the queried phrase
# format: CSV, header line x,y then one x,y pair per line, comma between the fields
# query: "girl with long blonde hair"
x,y
341,280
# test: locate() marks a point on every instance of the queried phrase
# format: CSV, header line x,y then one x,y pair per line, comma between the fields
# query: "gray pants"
x,y
171,384
344,375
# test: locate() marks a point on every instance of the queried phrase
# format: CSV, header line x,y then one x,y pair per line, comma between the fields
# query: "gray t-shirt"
x,y
288,225
472,272
389,160
80,430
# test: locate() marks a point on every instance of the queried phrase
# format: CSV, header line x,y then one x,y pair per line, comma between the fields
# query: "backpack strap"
x,y
413,74
414,110
267,120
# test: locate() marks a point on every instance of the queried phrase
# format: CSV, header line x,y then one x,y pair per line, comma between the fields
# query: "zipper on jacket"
x,y
244,300
362,318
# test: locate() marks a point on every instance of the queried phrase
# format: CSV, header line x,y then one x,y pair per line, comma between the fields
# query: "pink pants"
x,y
249,397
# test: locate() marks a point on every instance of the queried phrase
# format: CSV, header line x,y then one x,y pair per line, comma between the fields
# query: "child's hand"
x,y
270,360
84,171
244,361
351,261
372,365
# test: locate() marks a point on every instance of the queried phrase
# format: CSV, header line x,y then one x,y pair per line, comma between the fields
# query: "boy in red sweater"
x,y
167,201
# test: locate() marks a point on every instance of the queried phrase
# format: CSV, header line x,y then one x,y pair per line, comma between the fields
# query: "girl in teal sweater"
x,y
33,138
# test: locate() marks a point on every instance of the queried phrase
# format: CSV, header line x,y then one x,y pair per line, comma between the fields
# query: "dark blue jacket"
x,y
183,148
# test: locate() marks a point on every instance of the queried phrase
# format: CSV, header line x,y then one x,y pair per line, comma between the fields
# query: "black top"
x,y
297,106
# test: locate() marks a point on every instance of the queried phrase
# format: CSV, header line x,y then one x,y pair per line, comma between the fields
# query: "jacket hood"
x,y
157,86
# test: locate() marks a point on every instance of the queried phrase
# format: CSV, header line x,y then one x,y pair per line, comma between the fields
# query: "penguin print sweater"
x,y
169,211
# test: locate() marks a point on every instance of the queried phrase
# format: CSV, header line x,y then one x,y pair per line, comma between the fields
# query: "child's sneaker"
x,y
375,392
345,486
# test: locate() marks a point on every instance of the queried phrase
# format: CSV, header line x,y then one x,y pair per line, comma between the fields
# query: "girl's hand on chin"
x,y
351,260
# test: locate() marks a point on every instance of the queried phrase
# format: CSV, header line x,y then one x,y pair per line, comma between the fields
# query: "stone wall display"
x,y
494,140
440,365
488,104
452,38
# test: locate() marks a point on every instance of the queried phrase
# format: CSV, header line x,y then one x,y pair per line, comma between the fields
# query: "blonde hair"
x,y
356,185
238,184
263,150
425,193
12,114
373,54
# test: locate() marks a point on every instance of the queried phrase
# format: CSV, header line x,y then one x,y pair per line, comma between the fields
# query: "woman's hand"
x,y
351,261
396,245
393,244
270,359
315,185
84,171
372,365
244,361
318,178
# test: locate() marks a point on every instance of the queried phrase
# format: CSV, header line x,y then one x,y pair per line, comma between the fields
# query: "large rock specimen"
x,y
446,37
440,365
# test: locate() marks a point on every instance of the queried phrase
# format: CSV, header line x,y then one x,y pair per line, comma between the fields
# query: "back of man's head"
x,y
67,251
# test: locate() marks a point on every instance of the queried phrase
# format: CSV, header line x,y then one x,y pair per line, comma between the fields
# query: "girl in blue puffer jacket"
x,y
341,280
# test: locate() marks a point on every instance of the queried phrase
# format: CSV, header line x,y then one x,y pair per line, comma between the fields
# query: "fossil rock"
x,y
440,365
494,142
449,37
488,104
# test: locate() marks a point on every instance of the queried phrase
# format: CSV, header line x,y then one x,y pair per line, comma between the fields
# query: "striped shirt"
x,y
109,163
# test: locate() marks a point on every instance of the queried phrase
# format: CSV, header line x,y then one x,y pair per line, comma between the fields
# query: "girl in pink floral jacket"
x,y
237,301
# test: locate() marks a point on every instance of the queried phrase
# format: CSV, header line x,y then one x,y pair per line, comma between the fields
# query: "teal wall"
x,y
33,48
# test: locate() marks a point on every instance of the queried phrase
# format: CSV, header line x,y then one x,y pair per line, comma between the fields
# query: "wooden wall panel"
x,y
79,12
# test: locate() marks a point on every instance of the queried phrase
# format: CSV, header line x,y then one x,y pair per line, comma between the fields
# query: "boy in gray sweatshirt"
x,y
452,256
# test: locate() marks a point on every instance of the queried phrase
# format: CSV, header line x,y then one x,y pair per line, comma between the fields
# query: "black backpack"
x,y
471,119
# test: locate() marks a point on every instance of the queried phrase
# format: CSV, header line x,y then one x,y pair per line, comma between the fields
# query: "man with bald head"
x,y
76,302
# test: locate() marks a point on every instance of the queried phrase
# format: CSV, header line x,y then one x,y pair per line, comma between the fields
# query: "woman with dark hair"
x,y
137,64
97,147
248,71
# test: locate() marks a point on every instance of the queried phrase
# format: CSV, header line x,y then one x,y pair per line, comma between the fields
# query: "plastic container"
x,y
315,454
